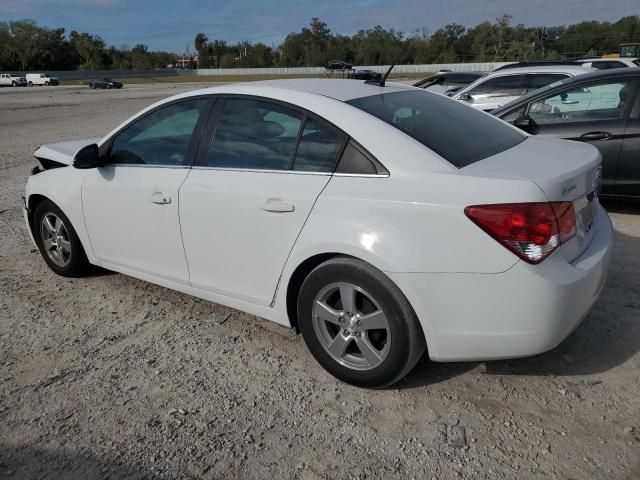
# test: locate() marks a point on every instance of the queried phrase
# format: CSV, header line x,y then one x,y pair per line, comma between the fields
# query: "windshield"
x,y
456,132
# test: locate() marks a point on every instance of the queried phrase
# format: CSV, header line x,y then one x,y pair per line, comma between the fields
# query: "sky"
x,y
172,24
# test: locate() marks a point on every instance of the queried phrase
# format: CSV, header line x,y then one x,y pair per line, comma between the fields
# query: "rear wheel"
x,y
58,241
358,324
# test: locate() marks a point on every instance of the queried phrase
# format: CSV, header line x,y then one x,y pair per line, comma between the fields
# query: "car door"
x,y
592,112
131,202
495,91
260,168
628,173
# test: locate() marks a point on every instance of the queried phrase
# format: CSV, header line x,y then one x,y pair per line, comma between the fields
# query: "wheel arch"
x,y
306,266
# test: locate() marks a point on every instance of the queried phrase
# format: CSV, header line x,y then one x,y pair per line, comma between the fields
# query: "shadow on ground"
x,y
27,463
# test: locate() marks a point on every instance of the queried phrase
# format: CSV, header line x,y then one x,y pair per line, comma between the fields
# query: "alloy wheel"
x,y
55,239
351,326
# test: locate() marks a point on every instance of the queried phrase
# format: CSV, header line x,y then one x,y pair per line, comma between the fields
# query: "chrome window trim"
x,y
260,170
144,165
292,172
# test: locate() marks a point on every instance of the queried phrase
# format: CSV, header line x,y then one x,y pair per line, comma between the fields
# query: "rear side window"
x,y
254,134
607,65
456,132
319,147
543,79
504,86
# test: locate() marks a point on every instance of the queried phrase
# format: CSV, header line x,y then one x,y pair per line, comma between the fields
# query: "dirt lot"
x,y
111,377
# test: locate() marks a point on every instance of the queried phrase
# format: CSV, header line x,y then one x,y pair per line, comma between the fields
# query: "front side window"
x,y
254,134
605,101
159,138
505,86
459,134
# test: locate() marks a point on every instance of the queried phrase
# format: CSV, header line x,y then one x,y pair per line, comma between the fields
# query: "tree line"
x,y
26,46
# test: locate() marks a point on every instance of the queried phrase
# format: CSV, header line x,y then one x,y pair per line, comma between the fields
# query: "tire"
x,y
31,84
67,258
108,87
47,84
13,84
92,86
335,333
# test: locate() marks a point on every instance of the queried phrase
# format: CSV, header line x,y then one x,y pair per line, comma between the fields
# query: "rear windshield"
x,y
456,132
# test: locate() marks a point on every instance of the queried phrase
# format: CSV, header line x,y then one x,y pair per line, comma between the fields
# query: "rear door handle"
x,y
277,205
596,136
159,198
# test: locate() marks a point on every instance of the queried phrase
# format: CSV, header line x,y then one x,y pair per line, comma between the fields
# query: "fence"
x,y
456,67
398,69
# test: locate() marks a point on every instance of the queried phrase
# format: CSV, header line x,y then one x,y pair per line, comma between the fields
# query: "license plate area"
x,y
585,208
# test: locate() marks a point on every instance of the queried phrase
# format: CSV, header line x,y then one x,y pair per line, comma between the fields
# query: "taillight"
x,y
530,230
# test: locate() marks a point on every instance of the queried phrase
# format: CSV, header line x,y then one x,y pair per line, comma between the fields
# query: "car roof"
x,y
569,69
593,75
612,59
339,89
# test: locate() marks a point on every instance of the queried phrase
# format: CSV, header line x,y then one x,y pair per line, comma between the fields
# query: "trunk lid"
x,y
563,170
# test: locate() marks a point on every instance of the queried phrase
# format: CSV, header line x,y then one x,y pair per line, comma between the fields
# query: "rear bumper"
x,y
526,310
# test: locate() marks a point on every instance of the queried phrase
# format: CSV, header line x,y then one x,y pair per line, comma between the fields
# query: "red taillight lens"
x,y
530,230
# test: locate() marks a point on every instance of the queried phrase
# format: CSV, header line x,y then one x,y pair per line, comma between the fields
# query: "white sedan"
x,y
379,221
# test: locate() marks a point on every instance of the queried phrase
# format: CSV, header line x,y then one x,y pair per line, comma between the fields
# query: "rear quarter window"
x,y
458,133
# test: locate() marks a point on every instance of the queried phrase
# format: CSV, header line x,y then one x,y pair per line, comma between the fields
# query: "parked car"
x,y
338,65
379,221
41,79
601,108
12,80
608,63
365,75
447,83
105,83
502,86
539,63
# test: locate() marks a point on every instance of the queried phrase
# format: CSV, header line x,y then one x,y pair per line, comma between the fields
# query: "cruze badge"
x,y
567,189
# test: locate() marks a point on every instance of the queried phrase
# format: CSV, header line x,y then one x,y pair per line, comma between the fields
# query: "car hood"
x,y
63,152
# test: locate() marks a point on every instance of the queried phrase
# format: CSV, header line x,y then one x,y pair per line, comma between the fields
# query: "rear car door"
x,y
131,202
259,170
594,112
628,173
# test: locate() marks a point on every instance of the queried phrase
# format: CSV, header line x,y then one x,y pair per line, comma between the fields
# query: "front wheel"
x,y
58,242
31,84
358,325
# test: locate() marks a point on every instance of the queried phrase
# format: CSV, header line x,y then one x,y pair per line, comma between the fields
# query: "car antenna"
x,y
383,79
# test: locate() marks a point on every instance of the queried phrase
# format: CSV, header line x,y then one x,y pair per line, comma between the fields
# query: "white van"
x,y
41,79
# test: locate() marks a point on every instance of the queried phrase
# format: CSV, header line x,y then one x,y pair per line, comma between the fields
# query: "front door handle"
x,y
159,198
277,205
596,136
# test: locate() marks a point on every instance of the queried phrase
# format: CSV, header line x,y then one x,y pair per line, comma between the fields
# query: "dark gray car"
x,y
602,108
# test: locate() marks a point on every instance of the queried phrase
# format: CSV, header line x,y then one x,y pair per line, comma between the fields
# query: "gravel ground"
x,y
112,377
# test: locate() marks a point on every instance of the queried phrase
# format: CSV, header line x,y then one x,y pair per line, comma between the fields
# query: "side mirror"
x,y
465,97
87,157
523,122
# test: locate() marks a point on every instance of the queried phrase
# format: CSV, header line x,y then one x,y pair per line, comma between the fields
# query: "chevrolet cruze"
x,y
382,222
